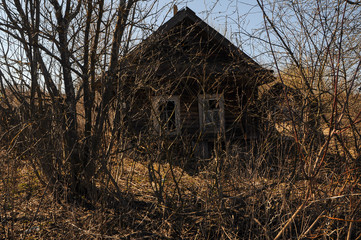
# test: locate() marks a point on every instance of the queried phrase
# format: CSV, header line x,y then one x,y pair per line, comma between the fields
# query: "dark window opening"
x,y
167,114
212,114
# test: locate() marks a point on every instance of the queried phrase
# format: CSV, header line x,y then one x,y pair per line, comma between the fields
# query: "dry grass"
x,y
249,207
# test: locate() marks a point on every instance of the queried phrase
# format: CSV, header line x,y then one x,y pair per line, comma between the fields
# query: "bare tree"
x,y
91,97
54,54
315,50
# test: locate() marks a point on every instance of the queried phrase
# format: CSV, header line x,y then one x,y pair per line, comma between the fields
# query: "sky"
x,y
223,12
232,18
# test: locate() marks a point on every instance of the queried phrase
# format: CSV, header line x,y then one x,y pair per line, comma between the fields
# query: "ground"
x,y
203,206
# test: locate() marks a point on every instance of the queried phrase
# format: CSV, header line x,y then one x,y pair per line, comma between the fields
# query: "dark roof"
x,y
186,14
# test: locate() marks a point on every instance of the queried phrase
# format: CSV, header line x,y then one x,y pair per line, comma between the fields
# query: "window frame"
x,y
202,113
156,114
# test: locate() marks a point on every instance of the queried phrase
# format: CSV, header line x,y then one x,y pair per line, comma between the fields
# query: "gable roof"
x,y
187,15
186,12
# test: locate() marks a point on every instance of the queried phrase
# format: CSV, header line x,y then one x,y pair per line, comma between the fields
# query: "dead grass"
x,y
250,206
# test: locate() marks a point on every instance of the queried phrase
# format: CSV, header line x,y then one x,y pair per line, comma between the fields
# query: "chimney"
x,y
175,9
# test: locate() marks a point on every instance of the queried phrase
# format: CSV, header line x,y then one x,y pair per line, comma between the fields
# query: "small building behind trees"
x,y
187,81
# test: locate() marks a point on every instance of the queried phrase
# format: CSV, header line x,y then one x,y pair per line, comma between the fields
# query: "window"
x,y
166,114
211,112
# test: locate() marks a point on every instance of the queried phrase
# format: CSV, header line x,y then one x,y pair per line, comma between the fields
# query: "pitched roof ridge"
x,y
186,12
187,9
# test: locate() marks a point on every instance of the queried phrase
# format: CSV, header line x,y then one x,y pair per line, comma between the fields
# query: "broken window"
x,y
211,113
166,114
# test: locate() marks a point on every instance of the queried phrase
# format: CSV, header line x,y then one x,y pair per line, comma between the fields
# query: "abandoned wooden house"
x,y
189,81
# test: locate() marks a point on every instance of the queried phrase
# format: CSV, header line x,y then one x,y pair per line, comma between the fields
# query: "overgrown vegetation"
x,y
71,166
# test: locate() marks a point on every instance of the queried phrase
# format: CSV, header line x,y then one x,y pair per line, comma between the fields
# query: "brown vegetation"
x,y
80,172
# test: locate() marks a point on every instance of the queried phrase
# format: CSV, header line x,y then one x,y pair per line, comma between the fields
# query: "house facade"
x,y
190,82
